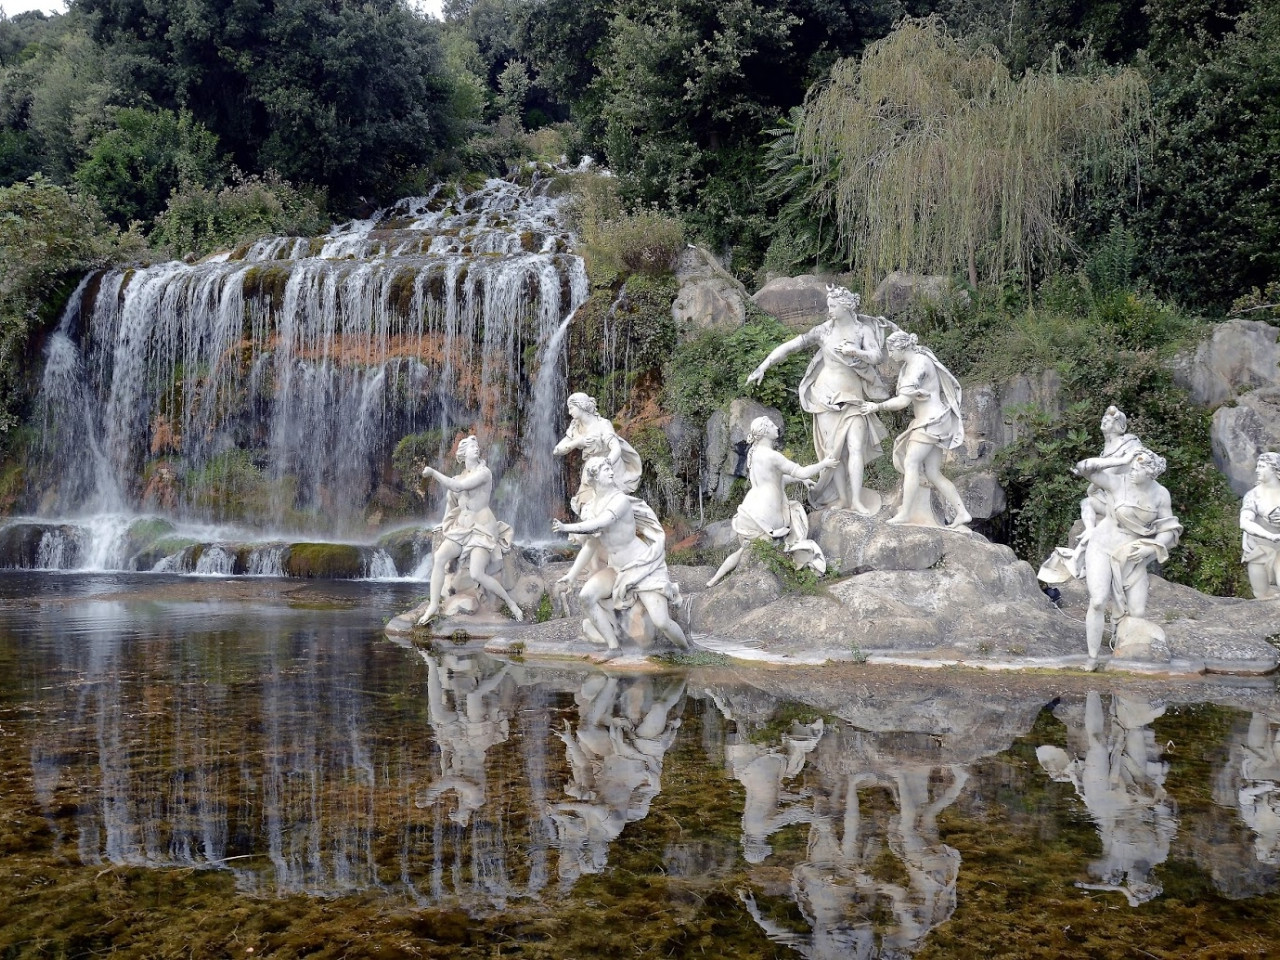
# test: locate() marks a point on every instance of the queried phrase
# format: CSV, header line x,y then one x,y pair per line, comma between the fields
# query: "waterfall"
x,y
269,387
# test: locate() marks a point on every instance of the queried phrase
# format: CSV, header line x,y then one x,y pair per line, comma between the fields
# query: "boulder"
x,y
990,415
898,290
1240,432
799,302
726,443
1237,357
710,298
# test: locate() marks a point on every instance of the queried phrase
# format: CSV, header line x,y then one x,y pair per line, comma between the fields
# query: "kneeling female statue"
x,y
471,532
766,512
624,558
1260,529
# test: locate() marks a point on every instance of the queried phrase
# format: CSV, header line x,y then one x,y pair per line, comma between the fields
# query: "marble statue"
x,y
1260,529
615,754
933,395
1120,775
594,436
841,375
623,557
471,533
1137,526
1119,448
766,512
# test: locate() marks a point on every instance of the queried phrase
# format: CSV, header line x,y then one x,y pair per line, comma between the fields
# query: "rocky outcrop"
x,y
1243,430
726,443
799,302
710,297
899,290
1237,357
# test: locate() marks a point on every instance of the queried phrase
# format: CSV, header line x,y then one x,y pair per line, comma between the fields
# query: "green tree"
x,y
134,167
944,160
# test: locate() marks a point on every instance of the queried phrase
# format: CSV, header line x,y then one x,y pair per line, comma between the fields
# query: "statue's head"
x,y
762,427
1149,462
838,296
597,471
1269,461
582,402
1114,421
900,343
468,447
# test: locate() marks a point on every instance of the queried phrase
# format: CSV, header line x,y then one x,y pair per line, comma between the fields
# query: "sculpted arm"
x,y
458,484
1249,521
781,353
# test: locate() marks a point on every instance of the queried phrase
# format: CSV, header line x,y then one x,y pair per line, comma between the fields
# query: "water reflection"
x,y
301,752
615,753
1119,773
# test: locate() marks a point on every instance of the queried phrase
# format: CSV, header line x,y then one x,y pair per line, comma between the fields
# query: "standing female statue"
x,y
766,512
595,437
933,394
471,531
1260,529
840,376
1137,527
1118,450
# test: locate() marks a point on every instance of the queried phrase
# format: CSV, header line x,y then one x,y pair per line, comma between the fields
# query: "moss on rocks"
x,y
323,561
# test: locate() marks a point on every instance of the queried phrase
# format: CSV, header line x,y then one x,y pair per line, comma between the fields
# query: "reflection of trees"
x,y
615,754
1118,772
876,877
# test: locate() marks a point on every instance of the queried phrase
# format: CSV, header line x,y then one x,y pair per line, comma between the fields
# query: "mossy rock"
x,y
323,561
20,544
147,555
407,546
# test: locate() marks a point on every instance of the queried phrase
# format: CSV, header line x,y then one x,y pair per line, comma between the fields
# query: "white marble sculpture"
x,y
1119,774
594,436
1136,526
623,557
933,395
841,375
471,534
1260,529
766,512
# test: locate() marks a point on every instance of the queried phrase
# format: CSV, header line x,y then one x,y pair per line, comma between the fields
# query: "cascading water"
x,y
268,388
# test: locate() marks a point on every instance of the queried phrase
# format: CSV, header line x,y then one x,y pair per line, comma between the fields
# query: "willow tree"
x,y
943,160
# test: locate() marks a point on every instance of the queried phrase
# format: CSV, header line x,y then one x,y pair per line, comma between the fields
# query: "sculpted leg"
x,y
1097,574
731,564
655,605
594,591
479,565
912,463
933,470
448,552
856,465
1260,579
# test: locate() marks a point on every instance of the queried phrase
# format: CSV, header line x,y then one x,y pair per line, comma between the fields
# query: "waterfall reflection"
x,y
1118,772
615,754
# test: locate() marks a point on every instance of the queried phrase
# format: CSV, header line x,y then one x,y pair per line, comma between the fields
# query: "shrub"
x,y
199,220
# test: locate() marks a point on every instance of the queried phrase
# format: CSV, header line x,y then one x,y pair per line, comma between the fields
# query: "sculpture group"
x,y
619,578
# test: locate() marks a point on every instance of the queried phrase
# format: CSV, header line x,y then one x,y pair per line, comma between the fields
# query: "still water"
x,y
209,768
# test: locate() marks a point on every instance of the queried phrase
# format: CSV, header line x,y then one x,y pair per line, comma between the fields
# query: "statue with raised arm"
x,y
471,533
841,375
766,512
594,436
1119,447
1260,529
1137,527
933,394
623,558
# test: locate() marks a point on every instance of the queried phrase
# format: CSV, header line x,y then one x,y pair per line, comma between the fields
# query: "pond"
x,y
195,767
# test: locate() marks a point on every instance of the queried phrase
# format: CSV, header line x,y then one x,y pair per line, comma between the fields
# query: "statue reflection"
x,y
469,714
873,852
1251,783
1119,774
615,754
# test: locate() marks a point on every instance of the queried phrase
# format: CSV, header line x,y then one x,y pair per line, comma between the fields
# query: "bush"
x,y
199,220
618,243
133,168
